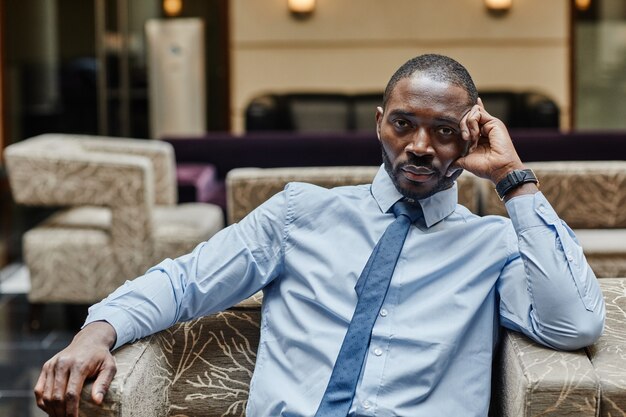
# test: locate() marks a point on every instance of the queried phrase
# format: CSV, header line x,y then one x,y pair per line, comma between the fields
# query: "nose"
x,y
421,143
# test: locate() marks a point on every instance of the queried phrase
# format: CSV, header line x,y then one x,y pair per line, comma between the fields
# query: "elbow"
x,y
585,333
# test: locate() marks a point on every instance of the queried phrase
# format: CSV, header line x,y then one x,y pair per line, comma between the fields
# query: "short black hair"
x,y
437,67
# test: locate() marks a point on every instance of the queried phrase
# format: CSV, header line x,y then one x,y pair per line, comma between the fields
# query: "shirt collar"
x,y
436,207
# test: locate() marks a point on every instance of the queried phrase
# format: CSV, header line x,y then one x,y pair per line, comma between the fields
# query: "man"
x,y
457,278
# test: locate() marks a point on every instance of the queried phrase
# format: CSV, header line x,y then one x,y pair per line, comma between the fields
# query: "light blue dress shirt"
x,y
458,277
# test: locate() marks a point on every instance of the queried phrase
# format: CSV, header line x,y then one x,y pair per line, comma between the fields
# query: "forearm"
x,y
566,305
136,309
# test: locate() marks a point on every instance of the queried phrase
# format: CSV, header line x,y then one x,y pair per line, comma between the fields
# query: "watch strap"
x,y
514,179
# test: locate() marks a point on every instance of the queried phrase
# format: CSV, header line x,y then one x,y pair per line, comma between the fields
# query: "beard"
x,y
442,182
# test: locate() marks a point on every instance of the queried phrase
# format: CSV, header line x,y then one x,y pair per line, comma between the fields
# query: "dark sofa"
x,y
224,151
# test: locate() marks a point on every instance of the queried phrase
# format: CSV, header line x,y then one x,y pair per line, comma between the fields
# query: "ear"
x,y
379,120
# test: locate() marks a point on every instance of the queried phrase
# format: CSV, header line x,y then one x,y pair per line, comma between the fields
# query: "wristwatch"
x,y
514,179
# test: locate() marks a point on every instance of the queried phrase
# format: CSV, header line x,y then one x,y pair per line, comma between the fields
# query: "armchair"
x,y
203,367
119,217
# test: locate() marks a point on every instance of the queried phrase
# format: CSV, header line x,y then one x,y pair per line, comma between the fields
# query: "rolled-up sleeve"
x,y
547,289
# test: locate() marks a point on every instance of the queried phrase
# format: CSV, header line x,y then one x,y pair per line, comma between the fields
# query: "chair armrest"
x,y
138,388
532,380
607,354
200,367
49,171
66,149
160,153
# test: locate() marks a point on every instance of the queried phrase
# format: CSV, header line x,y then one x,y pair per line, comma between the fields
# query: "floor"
x,y
24,350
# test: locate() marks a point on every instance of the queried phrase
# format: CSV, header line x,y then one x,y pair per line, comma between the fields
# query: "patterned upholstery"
x,y
200,368
121,216
203,367
532,380
590,196
608,355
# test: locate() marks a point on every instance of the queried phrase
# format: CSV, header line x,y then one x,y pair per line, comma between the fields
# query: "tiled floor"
x,y
23,350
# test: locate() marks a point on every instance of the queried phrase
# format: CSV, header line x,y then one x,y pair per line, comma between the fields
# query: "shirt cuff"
x,y
116,318
530,210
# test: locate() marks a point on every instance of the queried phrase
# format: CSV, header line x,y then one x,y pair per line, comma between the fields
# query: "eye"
x,y
401,124
445,131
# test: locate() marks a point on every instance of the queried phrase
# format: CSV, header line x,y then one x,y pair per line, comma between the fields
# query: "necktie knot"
x,y
411,210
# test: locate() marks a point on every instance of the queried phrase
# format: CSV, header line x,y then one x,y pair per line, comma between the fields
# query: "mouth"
x,y
417,173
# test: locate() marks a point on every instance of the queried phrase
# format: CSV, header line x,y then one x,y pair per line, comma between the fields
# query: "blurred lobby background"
x,y
84,67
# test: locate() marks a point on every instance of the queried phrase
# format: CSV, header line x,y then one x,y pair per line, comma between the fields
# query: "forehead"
x,y
420,92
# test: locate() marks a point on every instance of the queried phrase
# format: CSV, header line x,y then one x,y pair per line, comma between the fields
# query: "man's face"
x,y
420,134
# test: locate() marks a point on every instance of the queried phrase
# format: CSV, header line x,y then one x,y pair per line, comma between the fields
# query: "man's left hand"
x,y
491,153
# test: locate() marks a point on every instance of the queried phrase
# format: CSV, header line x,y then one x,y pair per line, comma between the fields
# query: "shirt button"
x,y
384,312
378,351
542,209
366,404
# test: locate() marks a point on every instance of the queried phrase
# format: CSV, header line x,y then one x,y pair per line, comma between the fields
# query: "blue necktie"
x,y
371,289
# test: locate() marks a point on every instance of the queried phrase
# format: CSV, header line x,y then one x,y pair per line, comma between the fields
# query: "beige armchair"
x,y
119,213
203,367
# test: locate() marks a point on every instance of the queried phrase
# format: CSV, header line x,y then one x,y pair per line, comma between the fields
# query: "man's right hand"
x,y
62,377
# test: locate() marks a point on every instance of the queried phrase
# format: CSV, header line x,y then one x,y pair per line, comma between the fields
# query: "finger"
x,y
74,388
455,168
103,381
463,125
467,122
466,148
473,123
47,390
39,387
51,399
61,376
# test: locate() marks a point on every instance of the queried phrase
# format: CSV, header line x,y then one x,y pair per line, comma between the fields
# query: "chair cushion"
x,y
84,217
76,245
69,265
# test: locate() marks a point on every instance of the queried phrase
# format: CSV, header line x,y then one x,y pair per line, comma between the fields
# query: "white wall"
x,y
355,45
